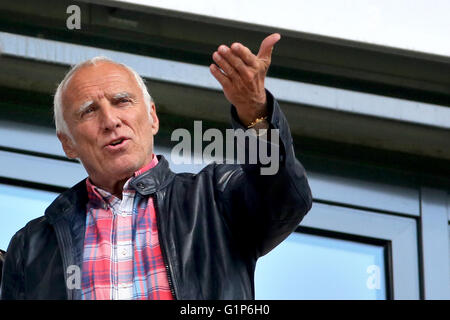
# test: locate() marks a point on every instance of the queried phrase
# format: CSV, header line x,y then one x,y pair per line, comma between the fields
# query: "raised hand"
x,y
242,76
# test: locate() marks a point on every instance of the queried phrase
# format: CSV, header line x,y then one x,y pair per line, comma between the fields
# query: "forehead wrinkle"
x,y
85,84
96,91
114,71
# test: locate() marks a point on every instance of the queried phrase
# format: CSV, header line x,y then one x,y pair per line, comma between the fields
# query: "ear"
x,y
155,120
68,146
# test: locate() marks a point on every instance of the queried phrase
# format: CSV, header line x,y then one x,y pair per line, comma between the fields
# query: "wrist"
x,y
250,118
258,123
261,127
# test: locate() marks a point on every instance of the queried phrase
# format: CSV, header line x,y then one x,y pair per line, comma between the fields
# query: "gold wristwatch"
x,y
259,123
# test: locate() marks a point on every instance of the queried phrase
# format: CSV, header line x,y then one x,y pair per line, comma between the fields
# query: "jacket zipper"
x,y
163,251
63,239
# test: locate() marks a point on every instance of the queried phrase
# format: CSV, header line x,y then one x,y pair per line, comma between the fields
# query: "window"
x,y
307,266
19,205
393,248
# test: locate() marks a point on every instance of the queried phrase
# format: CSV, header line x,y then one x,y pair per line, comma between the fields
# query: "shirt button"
x,y
124,252
140,185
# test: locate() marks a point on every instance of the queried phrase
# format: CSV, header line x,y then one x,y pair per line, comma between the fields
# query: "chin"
x,y
126,167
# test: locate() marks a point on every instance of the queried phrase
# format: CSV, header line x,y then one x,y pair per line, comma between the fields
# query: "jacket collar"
x,y
154,179
74,200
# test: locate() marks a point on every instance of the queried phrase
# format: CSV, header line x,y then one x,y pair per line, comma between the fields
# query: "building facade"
x,y
370,124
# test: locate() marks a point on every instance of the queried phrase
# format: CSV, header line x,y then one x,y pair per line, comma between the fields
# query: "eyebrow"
x,y
122,95
84,106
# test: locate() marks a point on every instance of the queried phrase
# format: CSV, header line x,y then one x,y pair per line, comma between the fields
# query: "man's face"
x,y
106,114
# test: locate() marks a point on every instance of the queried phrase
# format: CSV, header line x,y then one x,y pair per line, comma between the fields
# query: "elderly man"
x,y
134,229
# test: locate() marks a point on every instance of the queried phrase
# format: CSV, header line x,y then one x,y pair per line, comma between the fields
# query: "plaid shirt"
x,y
122,257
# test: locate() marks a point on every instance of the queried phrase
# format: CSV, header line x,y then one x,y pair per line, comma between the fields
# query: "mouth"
x,y
116,144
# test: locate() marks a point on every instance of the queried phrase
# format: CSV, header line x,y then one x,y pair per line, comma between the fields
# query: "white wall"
x,y
417,25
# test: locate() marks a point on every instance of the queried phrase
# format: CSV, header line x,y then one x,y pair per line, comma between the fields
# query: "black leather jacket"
x,y
213,226
2,259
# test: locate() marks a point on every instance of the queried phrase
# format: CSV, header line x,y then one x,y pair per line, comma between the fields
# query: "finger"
x,y
245,54
265,50
234,61
224,65
223,79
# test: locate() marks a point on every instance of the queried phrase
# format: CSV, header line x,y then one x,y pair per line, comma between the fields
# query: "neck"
x,y
113,187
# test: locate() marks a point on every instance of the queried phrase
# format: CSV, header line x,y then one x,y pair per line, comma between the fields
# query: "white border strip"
x,y
30,138
40,170
366,194
199,76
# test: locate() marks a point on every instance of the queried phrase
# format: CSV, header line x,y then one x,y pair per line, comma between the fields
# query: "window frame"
x,y
400,232
435,248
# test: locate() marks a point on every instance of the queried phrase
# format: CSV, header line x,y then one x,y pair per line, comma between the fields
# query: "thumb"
x,y
265,50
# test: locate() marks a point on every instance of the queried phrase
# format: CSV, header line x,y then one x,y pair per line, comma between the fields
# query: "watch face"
x,y
260,128
261,125
256,121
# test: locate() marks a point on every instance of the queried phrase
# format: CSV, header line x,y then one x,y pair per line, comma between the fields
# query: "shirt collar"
x,y
96,193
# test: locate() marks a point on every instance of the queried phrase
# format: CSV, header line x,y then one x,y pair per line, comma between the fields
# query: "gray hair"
x,y
60,123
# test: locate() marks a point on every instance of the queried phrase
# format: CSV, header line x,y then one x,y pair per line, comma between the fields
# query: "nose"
x,y
110,119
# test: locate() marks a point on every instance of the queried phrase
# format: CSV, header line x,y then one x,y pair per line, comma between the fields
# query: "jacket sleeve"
x,y
12,285
262,209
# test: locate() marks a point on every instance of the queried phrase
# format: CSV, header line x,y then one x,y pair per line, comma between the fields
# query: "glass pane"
x,y
307,266
18,206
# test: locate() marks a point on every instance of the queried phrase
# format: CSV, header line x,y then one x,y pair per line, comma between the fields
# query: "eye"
x,y
88,111
124,101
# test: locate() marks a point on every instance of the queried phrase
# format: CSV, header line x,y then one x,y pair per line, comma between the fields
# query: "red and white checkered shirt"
x,y
122,257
